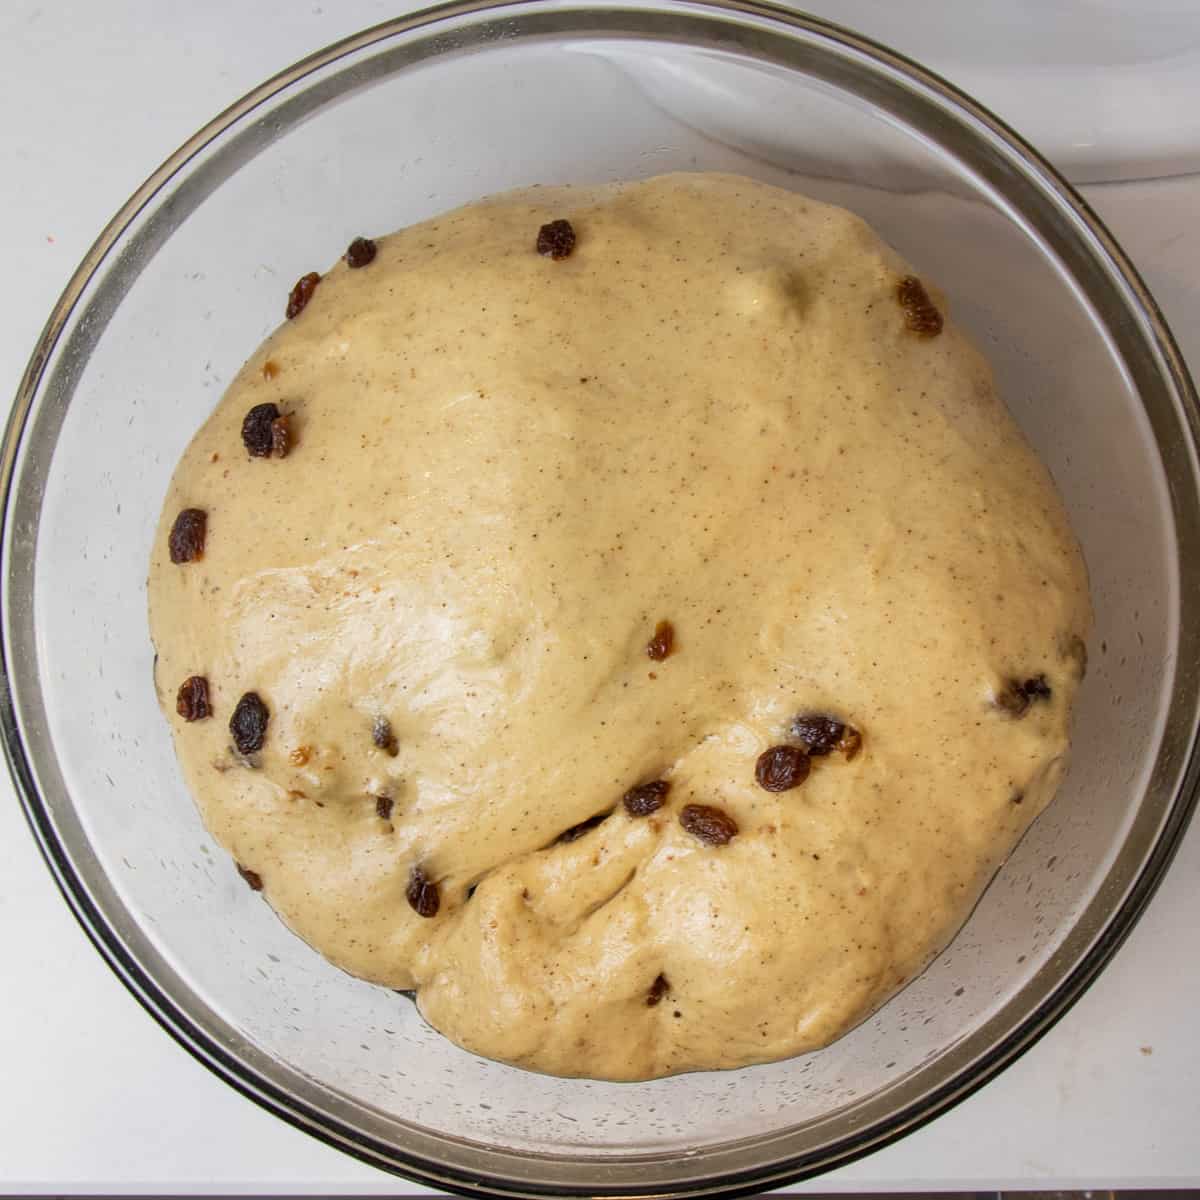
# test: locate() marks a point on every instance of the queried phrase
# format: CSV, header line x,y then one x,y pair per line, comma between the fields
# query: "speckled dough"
x,y
505,471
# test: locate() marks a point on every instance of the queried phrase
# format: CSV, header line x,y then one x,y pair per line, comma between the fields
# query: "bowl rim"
x,y
343,1136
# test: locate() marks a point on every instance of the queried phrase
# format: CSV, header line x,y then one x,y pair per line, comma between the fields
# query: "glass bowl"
x,y
409,119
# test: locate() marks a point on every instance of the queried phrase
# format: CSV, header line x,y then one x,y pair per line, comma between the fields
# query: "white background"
x,y
96,1098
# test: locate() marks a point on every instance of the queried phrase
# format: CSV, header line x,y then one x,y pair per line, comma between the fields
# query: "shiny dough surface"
x,y
505,471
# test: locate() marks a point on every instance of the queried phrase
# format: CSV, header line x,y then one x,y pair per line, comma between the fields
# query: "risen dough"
x,y
506,470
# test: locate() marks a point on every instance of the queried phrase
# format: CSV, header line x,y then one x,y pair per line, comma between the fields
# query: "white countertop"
x,y
97,1097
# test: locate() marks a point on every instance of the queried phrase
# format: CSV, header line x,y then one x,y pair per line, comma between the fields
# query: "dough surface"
x,y
506,470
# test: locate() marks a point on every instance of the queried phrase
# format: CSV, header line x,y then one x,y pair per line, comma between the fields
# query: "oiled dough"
x,y
506,471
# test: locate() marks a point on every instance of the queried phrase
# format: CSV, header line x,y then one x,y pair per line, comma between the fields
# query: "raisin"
x,y
658,989
663,641
781,768
301,294
646,798
422,893
821,735
187,535
557,239
383,807
711,825
253,878
920,313
1017,695
191,701
360,253
281,436
577,831
383,737
249,723
257,429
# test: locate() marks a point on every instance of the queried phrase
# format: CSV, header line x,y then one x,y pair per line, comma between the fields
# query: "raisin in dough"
x,y
505,471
